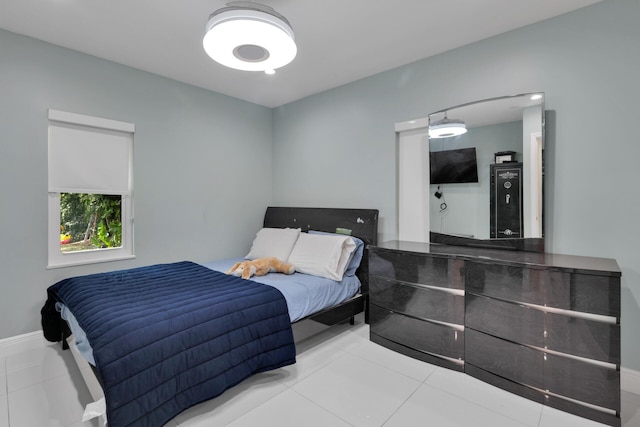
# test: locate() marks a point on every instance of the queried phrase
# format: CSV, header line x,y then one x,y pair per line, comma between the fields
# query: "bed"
x,y
161,340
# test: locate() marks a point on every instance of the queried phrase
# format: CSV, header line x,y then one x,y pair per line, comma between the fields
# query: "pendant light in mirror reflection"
x,y
249,36
447,127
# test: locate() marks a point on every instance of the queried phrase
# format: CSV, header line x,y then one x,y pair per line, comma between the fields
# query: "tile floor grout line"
x,y
391,371
401,405
342,354
431,373
321,407
471,402
387,367
539,424
254,408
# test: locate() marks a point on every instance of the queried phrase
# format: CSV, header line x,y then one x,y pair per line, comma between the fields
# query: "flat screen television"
x,y
453,166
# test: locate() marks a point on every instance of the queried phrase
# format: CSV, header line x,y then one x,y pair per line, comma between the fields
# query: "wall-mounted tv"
x,y
453,166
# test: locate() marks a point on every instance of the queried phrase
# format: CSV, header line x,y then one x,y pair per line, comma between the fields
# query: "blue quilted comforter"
x,y
169,336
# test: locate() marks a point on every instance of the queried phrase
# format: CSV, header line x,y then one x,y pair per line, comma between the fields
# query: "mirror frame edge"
x,y
524,244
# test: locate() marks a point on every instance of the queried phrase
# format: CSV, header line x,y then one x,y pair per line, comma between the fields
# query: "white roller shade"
x,y
87,159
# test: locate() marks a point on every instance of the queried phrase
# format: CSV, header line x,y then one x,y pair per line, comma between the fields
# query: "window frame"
x,y
57,258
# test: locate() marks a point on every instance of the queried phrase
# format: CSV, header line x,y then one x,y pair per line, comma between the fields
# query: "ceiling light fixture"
x,y
446,128
249,36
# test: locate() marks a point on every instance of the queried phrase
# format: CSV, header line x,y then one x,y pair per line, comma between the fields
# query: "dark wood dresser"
x,y
543,326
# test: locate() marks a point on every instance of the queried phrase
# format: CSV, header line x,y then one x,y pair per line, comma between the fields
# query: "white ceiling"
x,y
339,41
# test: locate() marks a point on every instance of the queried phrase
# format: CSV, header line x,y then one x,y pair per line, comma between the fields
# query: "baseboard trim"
x,y
630,380
20,343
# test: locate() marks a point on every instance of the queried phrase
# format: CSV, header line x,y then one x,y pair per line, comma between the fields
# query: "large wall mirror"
x,y
486,184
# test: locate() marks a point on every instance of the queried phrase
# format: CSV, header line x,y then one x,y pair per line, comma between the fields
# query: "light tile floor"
x,y
340,379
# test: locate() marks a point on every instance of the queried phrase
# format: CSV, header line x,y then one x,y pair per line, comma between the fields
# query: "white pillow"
x,y
273,242
322,255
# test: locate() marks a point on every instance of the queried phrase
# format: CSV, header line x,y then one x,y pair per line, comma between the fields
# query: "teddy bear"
x,y
260,267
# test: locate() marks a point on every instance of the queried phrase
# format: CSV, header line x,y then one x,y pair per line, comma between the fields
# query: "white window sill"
x,y
77,262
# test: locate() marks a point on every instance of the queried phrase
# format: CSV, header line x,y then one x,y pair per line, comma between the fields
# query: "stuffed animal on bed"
x,y
260,267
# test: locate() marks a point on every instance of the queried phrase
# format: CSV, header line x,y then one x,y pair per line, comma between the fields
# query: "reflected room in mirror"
x,y
486,169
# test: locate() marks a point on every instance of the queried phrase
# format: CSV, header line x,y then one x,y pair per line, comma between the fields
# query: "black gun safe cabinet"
x,y
506,201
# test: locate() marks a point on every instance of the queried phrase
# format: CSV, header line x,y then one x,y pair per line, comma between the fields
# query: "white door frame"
x,y
412,154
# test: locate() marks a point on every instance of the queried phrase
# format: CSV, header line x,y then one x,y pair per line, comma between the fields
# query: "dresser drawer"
x,y
417,334
547,287
576,336
415,268
572,378
416,300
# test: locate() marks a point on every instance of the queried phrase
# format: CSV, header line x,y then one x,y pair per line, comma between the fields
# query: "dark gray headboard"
x,y
362,223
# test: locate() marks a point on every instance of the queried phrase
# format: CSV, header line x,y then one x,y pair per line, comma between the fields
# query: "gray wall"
x,y
201,182
338,147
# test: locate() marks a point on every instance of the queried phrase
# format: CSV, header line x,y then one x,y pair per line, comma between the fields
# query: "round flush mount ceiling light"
x,y
446,128
249,36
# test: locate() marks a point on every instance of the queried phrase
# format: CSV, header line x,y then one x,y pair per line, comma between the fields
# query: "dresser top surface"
x,y
576,263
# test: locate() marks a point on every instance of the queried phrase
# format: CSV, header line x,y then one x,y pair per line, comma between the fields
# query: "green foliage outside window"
x,y
90,221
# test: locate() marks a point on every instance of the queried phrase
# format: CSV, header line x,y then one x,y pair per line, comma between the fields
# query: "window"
x,y
90,221
90,189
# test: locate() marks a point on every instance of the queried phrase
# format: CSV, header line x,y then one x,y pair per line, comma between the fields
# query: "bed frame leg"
x,y
352,320
66,332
